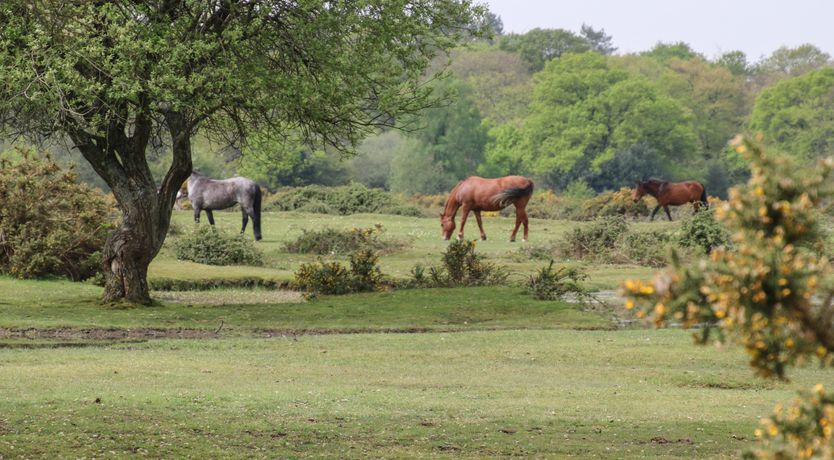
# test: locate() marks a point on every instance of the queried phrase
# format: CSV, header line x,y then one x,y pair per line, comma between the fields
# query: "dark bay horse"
x,y
478,194
210,194
671,193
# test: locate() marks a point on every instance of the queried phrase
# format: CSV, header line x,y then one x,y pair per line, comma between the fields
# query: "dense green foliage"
x,y
611,240
796,115
49,223
461,266
342,241
550,284
348,199
704,232
209,245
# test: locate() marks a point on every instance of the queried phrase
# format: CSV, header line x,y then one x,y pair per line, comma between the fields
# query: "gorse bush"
x,y
550,284
596,240
333,278
765,293
343,200
461,266
342,241
49,223
617,203
610,240
703,231
211,246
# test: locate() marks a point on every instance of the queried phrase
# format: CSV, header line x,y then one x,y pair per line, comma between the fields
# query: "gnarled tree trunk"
x,y
146,210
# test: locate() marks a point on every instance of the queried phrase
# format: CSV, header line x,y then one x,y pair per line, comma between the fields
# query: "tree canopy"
x,y
797,115
113,75
584,112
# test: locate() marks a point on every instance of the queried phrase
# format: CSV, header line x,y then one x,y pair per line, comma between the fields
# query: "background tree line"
x,y
562,107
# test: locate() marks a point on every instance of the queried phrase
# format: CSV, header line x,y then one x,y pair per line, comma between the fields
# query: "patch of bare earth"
x,y
230,297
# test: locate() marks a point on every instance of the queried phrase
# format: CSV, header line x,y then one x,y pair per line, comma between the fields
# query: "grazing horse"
x,y
210,194
478,194
671,193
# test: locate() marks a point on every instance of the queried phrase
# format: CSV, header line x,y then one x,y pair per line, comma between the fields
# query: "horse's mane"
x,y
655,181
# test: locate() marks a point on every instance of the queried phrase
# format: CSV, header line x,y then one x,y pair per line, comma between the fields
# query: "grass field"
x,y
438,373
421,234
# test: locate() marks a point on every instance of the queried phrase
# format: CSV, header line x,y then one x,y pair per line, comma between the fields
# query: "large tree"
x,y
797,114
584,113
109,75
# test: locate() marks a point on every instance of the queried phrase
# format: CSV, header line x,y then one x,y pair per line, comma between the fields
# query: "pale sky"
x,y
711,27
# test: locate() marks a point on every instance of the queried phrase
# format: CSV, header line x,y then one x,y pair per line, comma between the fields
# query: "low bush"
x,y
212,246
610,240
596,240
343,200
49,223
550,284
702,231
333,278
343,241
617,203
649,249
461,266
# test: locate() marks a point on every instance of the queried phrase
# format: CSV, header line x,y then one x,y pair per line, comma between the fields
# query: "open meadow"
x,y
440,373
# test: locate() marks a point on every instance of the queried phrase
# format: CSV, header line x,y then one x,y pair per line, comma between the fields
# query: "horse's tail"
x,y
505,197
256,218
704,196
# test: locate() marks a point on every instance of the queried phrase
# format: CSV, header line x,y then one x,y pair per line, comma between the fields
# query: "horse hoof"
x,y
483,238
524,240
512,241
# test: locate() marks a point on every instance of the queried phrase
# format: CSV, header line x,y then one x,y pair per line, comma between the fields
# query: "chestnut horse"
x,y
478,194
671,193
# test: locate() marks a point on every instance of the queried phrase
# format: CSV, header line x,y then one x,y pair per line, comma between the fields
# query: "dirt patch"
x,y
662,440
230,297
70,333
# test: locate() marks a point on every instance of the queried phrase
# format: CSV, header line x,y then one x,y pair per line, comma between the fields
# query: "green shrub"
x,y
594,241
649,249
609,240
703,231
49,223
343,200
550,284
617,203
209,245
333,278
461,266
342,241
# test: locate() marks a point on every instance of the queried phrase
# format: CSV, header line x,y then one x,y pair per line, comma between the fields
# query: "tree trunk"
x,y
129,250
146,209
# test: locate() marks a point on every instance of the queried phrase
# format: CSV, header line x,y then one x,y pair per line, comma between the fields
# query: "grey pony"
x,y
211,194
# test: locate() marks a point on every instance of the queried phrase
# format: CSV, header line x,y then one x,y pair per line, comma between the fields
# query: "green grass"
x,y
421,234
61,304
260,374
560,393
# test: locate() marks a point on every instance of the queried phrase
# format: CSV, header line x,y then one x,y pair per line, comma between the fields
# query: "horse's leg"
x,y
464,215
657,208
519,218
245,220
210,217
480,224
668,214
525,222
196,215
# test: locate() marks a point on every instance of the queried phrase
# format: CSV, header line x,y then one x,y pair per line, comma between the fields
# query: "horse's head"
x,y
639,191
447,223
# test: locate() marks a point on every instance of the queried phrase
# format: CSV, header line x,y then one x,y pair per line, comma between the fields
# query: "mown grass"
x,y
422,236
560,393
61,304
